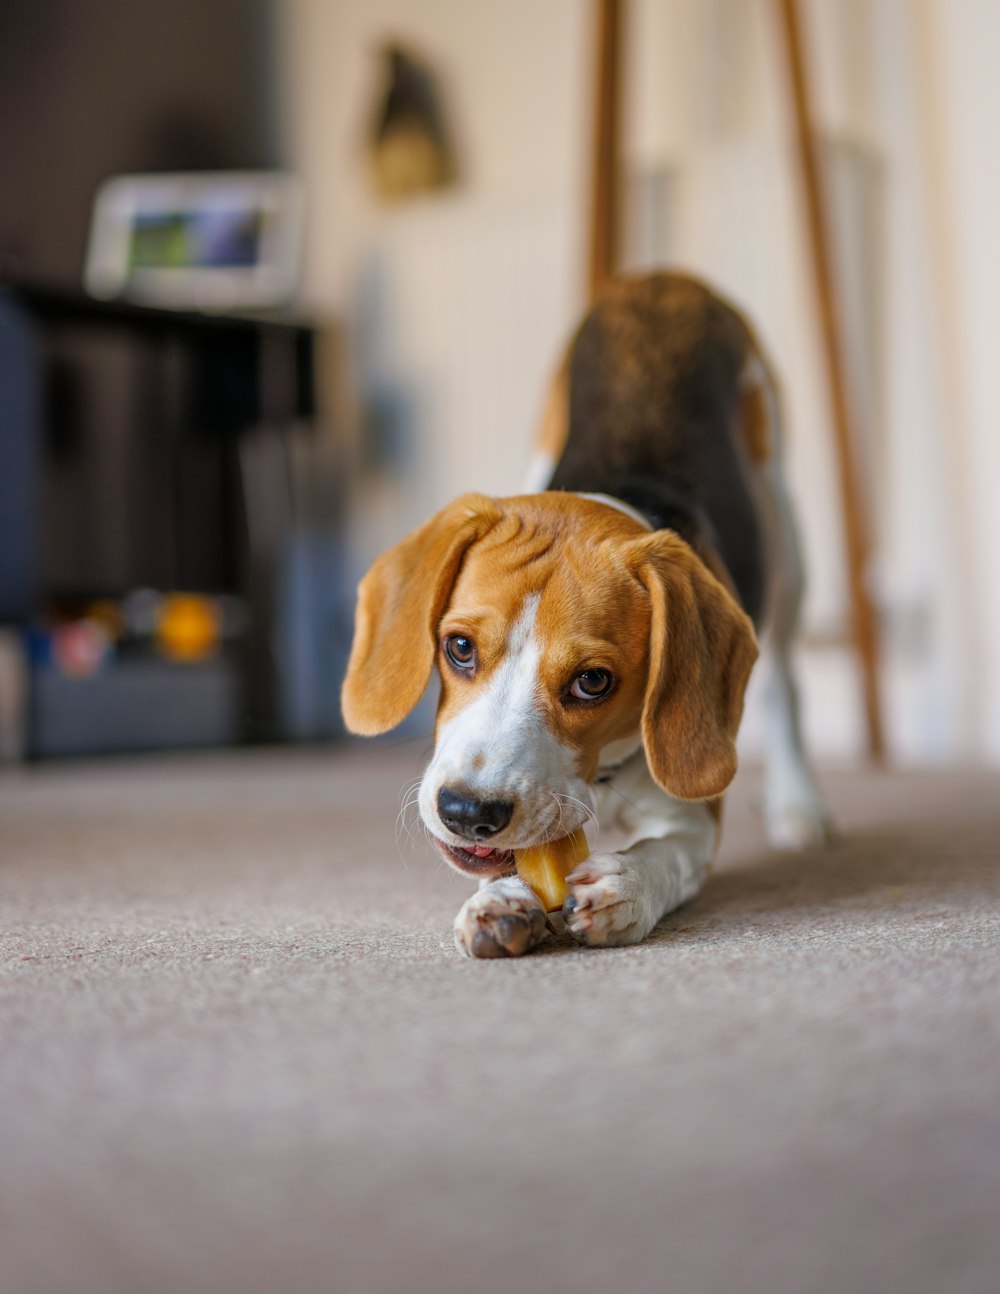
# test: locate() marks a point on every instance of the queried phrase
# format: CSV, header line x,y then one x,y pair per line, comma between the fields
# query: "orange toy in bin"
x,y
189,627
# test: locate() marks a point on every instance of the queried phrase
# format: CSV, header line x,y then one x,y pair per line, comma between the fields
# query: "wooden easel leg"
x,y
605,178
863,622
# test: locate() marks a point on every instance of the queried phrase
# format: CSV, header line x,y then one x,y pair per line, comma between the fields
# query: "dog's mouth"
x,y
477,860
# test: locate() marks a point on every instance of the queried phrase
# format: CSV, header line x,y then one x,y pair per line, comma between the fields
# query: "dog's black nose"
x,y
473,819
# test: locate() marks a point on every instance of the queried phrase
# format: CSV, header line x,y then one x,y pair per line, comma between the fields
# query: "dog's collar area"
x,y
655,505
609,501
607,772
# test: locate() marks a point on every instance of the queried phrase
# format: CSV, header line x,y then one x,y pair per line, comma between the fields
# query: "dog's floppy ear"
x,y
702,648
400,602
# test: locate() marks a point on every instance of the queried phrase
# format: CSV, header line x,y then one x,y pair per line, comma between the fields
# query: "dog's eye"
x,y
460,651
592,685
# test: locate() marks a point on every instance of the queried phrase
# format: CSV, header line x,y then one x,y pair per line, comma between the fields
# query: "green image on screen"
x,y
214,238
161,242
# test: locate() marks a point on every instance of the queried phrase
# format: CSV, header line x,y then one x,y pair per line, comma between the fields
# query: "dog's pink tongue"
x,y
481,851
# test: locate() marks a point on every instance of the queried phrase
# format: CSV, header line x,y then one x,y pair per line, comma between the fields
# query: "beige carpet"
x,y
239,1054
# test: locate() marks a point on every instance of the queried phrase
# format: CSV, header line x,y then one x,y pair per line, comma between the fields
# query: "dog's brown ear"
x,y
702,648
400,602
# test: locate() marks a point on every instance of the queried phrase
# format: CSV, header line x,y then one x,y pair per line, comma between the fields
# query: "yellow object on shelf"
x,y
545,867
189,627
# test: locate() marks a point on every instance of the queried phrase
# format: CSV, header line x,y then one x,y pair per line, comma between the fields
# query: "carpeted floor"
x,y
238,1053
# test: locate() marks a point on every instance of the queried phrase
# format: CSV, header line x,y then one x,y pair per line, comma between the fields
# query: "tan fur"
x,y
400,602
702,650
553,427
610,596
755,424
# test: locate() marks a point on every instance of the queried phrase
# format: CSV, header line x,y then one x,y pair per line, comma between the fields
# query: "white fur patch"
x,y
539,472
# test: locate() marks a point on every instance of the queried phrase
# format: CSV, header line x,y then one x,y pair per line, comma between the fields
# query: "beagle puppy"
x,y
594,639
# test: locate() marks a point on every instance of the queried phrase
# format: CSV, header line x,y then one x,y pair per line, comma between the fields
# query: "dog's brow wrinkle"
x,y
536,554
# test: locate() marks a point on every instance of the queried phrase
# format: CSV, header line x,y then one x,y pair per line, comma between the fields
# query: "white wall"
x,y
958,40
513,76
454,305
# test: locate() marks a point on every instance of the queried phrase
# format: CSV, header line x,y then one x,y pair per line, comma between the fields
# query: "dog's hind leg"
x,y
795,813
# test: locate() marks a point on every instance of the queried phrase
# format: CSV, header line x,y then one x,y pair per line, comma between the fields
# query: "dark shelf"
x,y
126,444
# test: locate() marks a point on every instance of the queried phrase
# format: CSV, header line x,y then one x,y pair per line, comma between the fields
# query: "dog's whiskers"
x,y
562,800
411,796
559,807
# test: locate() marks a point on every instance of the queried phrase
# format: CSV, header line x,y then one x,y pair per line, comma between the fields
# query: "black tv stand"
x,y
124,460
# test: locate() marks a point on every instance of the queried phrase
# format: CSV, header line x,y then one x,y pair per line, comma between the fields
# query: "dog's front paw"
x,y
608,904
504,919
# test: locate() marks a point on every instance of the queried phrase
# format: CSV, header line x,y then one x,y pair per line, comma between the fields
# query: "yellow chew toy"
x,y
545,867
